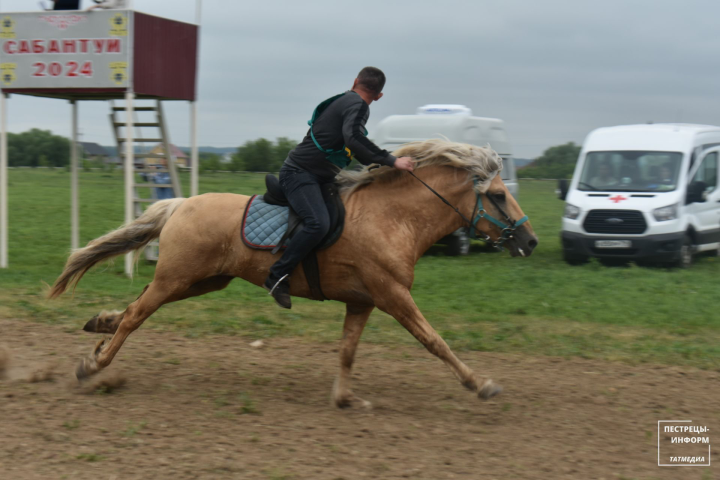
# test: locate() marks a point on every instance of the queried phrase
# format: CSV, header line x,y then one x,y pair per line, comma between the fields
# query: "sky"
x,y
553,70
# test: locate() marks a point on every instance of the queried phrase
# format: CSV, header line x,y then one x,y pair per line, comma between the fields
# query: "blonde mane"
x,y
480,162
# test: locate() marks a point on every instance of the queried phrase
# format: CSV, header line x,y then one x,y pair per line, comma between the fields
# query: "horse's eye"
x,y
500,197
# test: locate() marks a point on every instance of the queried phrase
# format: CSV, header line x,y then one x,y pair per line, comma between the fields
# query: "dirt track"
x,y
217,408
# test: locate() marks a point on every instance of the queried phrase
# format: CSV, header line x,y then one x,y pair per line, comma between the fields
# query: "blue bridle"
x,y
507,229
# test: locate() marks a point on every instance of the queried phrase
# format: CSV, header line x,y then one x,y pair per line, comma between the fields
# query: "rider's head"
x,y
370,82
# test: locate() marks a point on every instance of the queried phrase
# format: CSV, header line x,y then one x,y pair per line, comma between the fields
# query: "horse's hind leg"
x,y
355,319
398,302
108,321
153,297
135,314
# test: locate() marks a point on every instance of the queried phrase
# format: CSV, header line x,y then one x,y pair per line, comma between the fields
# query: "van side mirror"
x,y
562,188
696,192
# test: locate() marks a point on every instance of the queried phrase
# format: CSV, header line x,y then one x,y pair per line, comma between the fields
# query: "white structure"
x,y
644,192
454,122
100,55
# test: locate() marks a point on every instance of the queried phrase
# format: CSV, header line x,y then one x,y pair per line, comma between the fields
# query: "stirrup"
x,y
270,292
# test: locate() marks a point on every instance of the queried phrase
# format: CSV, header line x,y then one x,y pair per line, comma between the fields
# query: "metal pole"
x,y
3,183
129,172
74,202
194,155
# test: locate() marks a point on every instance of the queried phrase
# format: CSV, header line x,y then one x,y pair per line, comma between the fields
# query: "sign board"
x,y
83,50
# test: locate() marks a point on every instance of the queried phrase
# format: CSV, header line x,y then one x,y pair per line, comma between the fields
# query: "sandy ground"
x,y
173,407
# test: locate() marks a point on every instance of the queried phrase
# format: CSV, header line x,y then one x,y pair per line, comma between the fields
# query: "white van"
x,y
644,192
457,124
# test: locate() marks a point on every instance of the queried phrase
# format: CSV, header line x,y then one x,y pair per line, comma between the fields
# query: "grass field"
x,y
486,301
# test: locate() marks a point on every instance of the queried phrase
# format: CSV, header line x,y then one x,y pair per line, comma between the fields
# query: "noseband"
x,y
507,228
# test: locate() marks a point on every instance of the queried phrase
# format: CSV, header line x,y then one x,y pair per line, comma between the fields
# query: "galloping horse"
x,y
391,220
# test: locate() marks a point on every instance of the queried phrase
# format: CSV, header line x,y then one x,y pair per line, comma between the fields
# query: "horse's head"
x,y
499,216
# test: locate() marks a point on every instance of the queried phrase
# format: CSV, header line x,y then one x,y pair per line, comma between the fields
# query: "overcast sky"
x,y
552,69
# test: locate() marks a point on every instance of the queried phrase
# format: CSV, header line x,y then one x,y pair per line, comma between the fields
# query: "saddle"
x,y
269,223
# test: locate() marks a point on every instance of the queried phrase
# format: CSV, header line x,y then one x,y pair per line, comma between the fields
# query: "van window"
x,y
708,172
630,171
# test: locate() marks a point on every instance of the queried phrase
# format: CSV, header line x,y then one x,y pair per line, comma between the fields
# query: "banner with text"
x,y
65,50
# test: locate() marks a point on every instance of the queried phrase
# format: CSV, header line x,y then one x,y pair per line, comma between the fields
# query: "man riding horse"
x,y
337,135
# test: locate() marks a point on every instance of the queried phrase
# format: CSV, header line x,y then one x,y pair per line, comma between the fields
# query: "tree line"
x,y
41,148
261,155
38,148
555,162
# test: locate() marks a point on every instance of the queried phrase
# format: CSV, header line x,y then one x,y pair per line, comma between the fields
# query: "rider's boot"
x,y
280,290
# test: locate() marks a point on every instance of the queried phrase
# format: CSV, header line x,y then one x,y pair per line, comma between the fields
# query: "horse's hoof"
x,y
86,368
92,325
353,401
489,390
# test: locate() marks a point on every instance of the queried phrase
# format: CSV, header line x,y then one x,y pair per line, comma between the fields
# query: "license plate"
x,y
613,243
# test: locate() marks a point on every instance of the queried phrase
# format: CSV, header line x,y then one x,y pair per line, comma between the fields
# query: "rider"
x,y
337,127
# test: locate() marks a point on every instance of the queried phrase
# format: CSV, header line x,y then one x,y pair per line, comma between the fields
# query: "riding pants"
x,y
303,191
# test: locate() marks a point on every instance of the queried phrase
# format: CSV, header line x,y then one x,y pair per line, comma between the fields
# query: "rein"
x,y
508,229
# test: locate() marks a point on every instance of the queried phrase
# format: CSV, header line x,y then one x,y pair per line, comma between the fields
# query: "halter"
x,y
507,229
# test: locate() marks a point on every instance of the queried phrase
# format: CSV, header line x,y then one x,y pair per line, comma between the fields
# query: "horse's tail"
x,y
127,238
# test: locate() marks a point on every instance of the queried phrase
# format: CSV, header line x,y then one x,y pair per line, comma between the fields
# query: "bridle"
x,y
507,228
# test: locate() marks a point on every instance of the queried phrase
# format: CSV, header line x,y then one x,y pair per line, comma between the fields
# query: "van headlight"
x,y
571,211
664,214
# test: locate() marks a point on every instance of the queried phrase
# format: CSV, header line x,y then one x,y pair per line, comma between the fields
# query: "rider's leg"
x,y
305,197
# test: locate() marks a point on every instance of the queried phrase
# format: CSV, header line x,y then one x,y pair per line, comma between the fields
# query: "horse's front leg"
x,y
397,302
355,319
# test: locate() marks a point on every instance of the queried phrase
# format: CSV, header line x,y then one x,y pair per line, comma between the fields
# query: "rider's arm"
x,y
353,130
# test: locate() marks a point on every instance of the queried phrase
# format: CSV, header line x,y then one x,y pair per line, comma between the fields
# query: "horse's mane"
x,y
480,162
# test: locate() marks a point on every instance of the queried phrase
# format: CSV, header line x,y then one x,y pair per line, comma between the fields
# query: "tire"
x,y
571,259
458,244
614,262
685,258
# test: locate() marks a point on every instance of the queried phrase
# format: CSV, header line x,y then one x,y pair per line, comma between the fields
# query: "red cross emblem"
x,y
618,198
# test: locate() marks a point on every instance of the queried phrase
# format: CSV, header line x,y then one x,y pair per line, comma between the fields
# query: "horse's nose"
x,y
532,244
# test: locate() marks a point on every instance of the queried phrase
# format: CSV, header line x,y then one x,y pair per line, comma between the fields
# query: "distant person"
x,y
63,5
666,176
162,178
108,4
603,179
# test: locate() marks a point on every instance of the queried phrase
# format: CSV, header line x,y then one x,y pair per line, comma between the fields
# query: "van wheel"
x,y
571,259
458,244
685,258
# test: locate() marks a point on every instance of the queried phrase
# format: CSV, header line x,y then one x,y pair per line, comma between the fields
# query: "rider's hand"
x,y
404,163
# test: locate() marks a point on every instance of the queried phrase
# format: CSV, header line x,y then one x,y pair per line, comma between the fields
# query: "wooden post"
x,y
129,172
74,194
194,155
3,182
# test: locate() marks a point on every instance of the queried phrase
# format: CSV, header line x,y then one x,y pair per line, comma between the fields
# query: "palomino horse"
x,y
392,219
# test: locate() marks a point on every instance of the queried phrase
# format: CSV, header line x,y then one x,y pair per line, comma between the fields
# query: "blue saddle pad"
x,y
263,224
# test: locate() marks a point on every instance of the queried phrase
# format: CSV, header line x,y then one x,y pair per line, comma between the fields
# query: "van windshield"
x,y
630,171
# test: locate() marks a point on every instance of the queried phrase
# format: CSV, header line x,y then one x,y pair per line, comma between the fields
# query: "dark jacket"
x,y
342,123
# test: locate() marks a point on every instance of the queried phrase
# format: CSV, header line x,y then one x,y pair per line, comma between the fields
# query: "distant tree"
x,y
27,149
556,162
236,163
209,161
281,149
262,155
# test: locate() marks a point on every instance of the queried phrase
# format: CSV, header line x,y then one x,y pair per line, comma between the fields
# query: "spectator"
x,y
108,4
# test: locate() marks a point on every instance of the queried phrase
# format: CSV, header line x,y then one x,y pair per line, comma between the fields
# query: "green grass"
x,y
486,301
